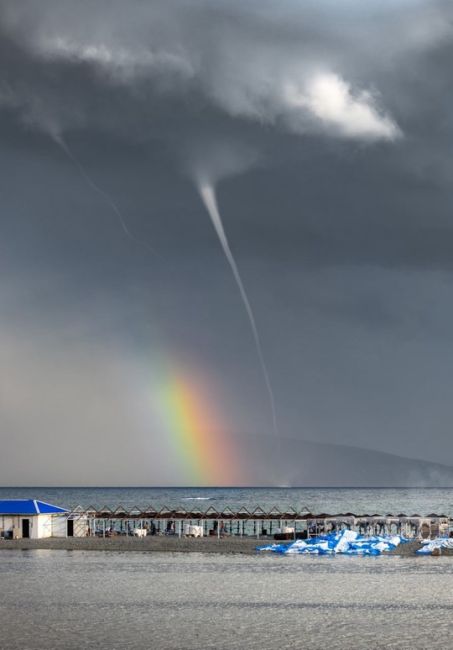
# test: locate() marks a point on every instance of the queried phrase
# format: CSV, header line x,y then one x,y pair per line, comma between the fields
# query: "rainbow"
x,y
204,451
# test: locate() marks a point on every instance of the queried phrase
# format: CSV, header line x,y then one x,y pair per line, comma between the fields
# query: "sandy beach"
x,y
226,546
156,543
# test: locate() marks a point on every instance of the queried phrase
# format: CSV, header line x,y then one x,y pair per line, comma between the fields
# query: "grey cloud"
x,y
340,225
235,67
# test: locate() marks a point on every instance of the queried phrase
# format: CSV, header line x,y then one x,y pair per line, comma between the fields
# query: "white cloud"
x,y
127,64
320,102
330,101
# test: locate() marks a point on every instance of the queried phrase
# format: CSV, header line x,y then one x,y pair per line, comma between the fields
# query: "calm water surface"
x,y
333,500
71,600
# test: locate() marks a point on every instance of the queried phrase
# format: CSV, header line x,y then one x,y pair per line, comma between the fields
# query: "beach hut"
x,y
29,518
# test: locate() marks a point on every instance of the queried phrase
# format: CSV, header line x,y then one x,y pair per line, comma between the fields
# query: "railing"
x,y
258,522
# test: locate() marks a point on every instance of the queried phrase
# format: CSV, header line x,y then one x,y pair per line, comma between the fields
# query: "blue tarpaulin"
x,y
430,544
348,542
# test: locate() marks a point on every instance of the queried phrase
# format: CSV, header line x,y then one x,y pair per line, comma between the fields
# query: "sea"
x,y
71,600
381,501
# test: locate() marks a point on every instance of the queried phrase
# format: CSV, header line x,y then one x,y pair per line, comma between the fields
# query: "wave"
x,y
197,498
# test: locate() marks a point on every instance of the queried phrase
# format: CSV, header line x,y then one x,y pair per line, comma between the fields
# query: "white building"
x,y
29,518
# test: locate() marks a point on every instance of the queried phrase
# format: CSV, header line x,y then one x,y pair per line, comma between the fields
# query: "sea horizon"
x,y
360,500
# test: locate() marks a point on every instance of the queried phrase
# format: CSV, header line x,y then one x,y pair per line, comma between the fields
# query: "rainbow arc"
x,y
204,449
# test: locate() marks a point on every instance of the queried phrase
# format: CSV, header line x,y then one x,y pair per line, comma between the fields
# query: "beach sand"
x,y
157,543
226,545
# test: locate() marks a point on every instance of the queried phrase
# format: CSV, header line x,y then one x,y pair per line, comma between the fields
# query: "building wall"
x,y
13,524
41,526
53,525
57,526
7,523
81,527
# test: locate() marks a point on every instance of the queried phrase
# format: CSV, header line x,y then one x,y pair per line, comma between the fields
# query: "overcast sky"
x,y
325,129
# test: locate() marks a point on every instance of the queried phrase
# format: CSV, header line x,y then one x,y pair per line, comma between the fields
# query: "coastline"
x,y
161,544
167,544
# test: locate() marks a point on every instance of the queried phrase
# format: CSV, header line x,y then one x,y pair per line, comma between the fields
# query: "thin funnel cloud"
x,y
102,193
208,196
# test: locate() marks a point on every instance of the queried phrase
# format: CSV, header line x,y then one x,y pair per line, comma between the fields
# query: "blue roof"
x,y
28,507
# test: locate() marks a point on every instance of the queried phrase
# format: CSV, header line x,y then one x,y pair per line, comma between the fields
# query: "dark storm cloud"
x,y
194,77
327,126
256,68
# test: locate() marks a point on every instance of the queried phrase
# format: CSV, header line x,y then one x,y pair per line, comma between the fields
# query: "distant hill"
x,y
291,462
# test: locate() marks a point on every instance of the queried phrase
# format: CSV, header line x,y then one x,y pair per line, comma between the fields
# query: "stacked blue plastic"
x,y
348,542
429,545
